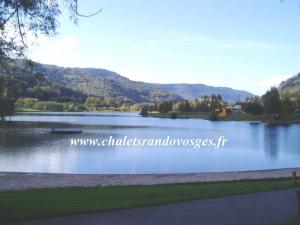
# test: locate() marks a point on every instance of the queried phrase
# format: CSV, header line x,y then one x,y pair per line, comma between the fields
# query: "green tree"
x,y
253,106
92,102
73,107
184,106
144,111
271,101
48,106
19,18
124,108
297,104
165,107
6,108
173,115
286,105
109,102
215,102
22,18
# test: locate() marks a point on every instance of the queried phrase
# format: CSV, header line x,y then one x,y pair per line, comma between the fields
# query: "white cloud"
x,y
168,52
100,63
152,44
272,81
61,51
136,46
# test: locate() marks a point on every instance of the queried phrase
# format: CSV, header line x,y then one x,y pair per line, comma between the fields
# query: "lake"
x,y
28,145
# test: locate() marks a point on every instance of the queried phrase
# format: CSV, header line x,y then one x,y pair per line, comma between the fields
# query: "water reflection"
x,y
271,140
27,145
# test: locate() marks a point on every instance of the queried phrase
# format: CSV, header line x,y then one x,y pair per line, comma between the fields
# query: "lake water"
x,y
29,146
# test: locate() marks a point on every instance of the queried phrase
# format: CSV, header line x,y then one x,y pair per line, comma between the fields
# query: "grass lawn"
x,y
293,222
31,204
27,110
182,115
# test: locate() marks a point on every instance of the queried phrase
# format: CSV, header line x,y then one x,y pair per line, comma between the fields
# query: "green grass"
x,y
19,109
205,115
31,204
27,110
186,115
293,222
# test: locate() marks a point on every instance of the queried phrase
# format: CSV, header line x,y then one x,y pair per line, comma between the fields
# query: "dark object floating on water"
x,y
61,131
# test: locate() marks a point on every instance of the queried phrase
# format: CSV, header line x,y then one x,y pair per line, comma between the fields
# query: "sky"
x,y
248,45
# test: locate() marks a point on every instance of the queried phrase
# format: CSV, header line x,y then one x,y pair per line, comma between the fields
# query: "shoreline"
x,y
12,181
264,119
294,118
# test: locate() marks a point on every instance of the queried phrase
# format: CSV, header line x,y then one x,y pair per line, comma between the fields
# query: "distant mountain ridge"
x,y
109,84
192,91
106,84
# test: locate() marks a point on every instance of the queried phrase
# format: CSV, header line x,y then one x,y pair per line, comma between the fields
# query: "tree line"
x,y
203,104
272,102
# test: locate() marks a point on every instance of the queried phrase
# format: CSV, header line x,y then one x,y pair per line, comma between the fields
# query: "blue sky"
x,y
249,44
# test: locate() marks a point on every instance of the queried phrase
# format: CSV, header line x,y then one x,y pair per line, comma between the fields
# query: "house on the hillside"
x,y
235,108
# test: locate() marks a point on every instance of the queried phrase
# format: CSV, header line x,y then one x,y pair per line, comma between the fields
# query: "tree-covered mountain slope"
x,y
108,84
291,86
192,91
20,83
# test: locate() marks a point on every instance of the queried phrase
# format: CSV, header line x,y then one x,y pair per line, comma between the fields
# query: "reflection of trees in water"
x,y
255,135
282,138
16,135
19,135
271,141
291,135
27,137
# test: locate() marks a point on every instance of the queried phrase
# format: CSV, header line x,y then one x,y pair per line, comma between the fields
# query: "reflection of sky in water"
x,y
250,147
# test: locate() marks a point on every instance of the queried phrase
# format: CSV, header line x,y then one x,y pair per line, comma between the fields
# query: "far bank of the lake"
x,y
284,119
293,118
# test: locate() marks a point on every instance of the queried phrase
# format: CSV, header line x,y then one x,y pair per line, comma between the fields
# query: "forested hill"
x,y
20,83
291,86
192,91
108,84
105,84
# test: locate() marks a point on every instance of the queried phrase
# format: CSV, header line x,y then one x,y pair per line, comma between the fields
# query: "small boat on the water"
x,y
65,131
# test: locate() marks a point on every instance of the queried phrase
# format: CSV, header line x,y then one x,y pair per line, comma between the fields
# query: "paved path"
x,y
21,181
264,208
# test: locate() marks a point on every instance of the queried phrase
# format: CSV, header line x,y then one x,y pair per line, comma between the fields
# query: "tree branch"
x,y
19,26
75,9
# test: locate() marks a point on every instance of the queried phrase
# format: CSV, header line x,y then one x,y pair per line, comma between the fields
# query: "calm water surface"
x,y
251,146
